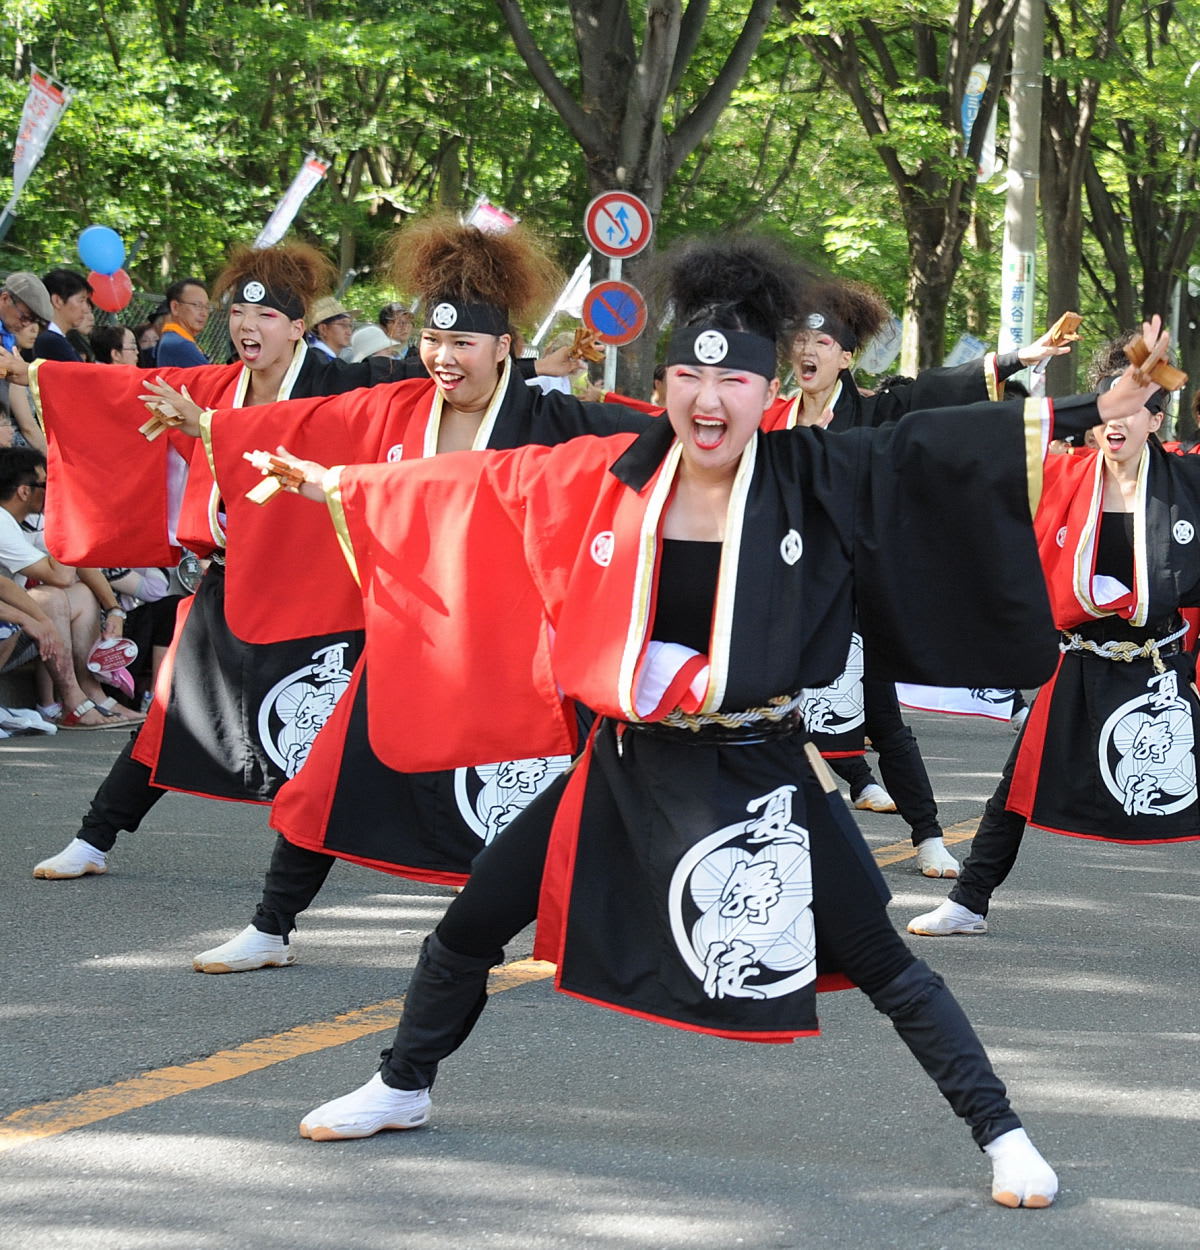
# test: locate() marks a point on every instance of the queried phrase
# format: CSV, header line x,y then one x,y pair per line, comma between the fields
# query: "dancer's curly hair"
x,y
744,282
437,256
1109,358
294,267
857,306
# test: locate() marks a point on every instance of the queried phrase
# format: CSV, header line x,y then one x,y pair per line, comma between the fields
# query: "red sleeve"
x,y
107,501
286,574
458,641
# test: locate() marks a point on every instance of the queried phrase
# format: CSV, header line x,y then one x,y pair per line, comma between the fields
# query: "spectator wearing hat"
x,y
24,301
70,302
187,302
370,341
332,324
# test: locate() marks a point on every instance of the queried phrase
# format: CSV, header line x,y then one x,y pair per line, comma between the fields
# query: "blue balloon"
x,y
101,249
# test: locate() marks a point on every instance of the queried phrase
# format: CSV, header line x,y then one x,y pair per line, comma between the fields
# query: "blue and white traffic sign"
x,y
615,311
618,224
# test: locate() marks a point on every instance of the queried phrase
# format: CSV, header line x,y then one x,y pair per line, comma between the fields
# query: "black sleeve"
x,y
947,579
50,346
559,417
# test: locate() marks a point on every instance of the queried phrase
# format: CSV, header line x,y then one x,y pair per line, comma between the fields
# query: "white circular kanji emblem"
x,y
253,292
711,347
1061,537
444,316
395,452
792,547
1183,532
602,548
814,321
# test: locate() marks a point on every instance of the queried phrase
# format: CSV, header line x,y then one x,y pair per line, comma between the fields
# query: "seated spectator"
x,y
396,321
371,341
24,301
26,633
187,301
331,325
79,338
114,345
79,603
147,342
18,425
71,301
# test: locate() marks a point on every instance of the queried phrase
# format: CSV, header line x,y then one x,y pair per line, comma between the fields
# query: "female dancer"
x,y
258,661
1109,748
345,803
841,317
686,583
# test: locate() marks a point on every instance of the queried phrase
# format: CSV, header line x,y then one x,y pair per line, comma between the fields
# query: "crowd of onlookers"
x,y
54,620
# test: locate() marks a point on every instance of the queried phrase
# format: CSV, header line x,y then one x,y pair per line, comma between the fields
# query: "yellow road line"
x,y
49,1119
894,852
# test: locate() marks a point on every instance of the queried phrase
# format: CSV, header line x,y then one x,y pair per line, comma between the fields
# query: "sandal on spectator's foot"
x,y
122,715
76,719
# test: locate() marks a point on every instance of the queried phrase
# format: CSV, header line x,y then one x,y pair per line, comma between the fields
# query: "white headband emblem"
x,y
814,321
711,347
444,316
253,292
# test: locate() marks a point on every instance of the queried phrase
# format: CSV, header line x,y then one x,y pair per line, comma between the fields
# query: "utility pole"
x,y
1019,277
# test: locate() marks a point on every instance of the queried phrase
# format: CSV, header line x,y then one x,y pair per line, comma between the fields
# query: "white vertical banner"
x,y
311,173
44,105
977,82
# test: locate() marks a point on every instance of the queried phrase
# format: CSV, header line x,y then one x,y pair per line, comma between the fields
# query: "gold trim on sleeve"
x,y
35,389
1037,425
331,484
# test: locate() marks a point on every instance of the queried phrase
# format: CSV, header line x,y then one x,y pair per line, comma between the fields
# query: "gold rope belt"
x,y
779,708
1125,652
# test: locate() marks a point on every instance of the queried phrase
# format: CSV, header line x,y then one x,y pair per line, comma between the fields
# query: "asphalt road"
x,y
144,1105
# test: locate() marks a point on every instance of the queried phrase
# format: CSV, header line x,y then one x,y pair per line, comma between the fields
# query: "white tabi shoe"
x,y
370,1109
77,859
946,919
1020,1176
249,950
874,798
933,860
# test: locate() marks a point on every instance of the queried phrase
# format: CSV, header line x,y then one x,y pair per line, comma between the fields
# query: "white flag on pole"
x,y
311,173
44,105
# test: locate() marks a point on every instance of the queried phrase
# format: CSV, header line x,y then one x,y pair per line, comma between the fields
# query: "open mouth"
x,y
249,349
447,381
1115,440
708,432
808,370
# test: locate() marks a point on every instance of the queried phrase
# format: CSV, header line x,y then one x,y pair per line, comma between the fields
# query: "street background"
x,y
559,1124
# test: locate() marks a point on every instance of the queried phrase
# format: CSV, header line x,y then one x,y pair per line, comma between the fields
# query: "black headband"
x,y
452,314
252,291
827,323
727,349
1156,403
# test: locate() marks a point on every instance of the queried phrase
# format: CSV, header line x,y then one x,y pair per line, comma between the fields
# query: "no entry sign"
x,y
615,311
618,224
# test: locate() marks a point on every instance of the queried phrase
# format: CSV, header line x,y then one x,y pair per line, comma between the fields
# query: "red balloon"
x,y
110,291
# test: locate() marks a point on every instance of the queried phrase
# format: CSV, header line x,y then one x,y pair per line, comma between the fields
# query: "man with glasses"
x,y
188,302
23,300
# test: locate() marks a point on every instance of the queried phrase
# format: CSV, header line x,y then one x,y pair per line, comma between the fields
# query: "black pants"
x,y
293,880
121,802
853,932
900,764
994,848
